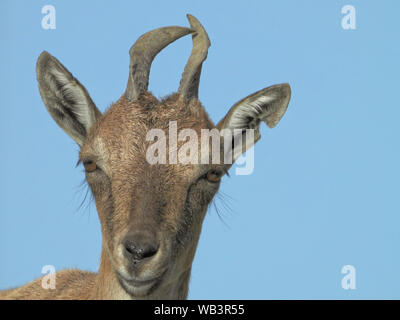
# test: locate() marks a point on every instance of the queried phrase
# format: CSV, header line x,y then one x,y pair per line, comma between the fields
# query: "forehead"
x,y
120,136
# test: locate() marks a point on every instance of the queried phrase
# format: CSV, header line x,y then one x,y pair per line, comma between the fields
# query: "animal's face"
x,y
151,212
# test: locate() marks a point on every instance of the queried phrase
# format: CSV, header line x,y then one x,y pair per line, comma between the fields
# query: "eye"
x,y
214,176
90,166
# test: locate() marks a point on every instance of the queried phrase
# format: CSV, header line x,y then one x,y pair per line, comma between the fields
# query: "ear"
x,y
65,98
267,105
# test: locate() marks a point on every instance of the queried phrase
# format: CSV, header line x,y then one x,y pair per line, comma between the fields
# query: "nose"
x,y
140,245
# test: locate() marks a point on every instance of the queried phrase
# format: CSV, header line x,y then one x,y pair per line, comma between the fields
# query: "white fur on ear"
x,y
243,119
67,101
69,90
268,105
249,113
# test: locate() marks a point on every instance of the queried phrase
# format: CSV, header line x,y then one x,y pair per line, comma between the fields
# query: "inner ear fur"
x,y
66,99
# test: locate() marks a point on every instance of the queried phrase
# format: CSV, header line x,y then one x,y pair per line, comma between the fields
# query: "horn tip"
x,y
194,22
197,27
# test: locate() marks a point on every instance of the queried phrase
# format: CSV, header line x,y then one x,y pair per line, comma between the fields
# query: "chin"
x,y
139,289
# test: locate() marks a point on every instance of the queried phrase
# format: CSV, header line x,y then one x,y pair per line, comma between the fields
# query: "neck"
x,y
107,286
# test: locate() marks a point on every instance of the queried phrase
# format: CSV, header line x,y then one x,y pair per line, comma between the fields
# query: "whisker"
x,y
88,198
223,199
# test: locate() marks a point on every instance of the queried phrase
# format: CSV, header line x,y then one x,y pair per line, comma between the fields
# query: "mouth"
x,y
138,287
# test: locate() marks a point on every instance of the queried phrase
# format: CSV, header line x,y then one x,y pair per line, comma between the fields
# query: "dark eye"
x,y
214,176
90,166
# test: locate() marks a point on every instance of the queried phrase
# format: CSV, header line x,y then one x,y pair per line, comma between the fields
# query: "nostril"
x,y
130,247
149,252
140,251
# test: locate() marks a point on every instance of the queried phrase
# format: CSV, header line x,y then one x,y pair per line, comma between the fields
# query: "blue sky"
x,y
325,189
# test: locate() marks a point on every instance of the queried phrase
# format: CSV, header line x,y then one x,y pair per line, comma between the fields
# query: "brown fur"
x,y
165,202
129,174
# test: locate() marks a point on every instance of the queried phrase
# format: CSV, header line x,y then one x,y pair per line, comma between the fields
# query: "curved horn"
x,y
189,85
142,54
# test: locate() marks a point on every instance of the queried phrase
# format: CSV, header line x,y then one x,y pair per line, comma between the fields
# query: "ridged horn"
x,y
189,85
142,54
